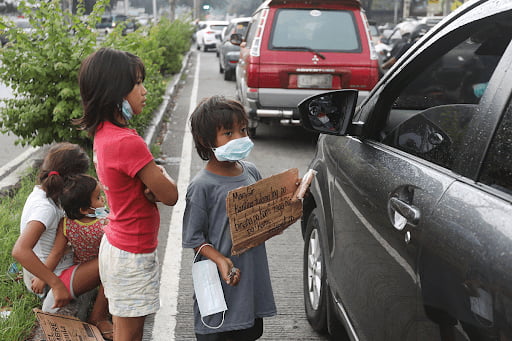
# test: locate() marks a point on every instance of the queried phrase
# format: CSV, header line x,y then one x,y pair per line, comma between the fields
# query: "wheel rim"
x,y
314,269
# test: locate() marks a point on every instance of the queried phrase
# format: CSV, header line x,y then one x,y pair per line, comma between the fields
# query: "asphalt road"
x,y
276,149
8,150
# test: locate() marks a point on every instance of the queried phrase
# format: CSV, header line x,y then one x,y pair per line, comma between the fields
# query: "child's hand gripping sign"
x,y
265,208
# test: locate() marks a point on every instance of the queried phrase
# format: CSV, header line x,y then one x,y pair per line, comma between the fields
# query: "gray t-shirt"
x,y
205,220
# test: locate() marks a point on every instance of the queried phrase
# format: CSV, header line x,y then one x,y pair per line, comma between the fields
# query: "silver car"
x,y
228,53
408,228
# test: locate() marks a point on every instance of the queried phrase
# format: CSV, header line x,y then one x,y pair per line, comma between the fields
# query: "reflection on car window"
x,y
318,30
460,76
435,135
497,167
430,115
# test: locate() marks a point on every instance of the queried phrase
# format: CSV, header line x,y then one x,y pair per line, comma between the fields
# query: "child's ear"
x,y
84,211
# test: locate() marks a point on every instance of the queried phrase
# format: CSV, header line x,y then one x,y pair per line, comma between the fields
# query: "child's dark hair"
x,y
211,114
77,194
105,78
62,160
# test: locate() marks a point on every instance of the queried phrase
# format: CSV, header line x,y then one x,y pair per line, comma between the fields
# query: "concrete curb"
x,y
11,173
171,90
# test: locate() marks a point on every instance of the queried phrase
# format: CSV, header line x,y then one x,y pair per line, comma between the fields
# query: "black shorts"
x,y
248,334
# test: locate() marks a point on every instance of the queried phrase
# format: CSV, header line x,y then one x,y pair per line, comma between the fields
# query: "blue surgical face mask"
x,y
99,213
234,150
126,110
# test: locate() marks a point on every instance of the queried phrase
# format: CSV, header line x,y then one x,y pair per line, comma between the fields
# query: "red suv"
x,y
295,49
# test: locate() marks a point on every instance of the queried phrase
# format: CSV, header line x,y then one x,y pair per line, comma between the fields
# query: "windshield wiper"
x,y
300,48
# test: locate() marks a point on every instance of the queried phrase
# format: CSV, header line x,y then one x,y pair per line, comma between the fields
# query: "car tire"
x,y
229,75
314,277
221,69
198,47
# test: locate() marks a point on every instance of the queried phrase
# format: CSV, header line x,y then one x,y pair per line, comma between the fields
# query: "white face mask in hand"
x,y
207,287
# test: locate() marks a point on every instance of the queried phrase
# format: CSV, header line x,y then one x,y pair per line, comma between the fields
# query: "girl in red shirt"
x,y
112,92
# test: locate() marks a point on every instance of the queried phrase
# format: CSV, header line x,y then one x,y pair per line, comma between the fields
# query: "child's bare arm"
x,y
23,253
159,183
229,273
58,250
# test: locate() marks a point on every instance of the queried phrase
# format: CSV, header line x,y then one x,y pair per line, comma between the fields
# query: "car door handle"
x,y
403,213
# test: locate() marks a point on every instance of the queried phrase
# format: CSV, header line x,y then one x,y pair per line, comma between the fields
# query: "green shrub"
x,y
42,68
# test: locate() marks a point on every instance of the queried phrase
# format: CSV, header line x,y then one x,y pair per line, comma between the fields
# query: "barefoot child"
x,y
219,129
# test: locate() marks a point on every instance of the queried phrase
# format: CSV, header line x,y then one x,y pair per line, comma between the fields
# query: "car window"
x,y
497,167
251,32
323,30
374,31
459,76
241,27
217,27
432,107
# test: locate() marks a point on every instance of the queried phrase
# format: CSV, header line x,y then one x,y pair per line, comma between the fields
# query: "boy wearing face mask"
x,y
219,129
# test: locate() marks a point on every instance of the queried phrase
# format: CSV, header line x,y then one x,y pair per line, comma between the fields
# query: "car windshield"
x,y
241,27
321,30
217,27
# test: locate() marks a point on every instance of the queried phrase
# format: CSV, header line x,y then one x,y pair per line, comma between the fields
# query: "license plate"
x,y
314,81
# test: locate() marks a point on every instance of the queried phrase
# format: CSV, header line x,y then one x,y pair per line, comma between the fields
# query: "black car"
x,y
109,22
408,228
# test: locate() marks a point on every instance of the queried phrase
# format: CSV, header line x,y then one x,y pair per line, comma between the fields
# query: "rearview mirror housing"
x,y
236,39
329,112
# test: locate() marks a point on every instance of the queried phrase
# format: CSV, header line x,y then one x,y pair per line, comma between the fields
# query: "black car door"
x,y
465,262
389,184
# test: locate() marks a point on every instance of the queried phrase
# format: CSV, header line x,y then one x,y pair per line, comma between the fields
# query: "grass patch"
x,y
13,294
155,149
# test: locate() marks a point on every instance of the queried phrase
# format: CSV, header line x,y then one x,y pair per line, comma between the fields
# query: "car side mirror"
x,y
329,112
236,39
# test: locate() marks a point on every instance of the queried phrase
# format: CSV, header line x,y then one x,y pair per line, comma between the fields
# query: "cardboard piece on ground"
x,y
262,210
66,328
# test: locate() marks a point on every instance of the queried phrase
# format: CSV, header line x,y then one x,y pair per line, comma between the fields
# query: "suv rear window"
x,y
321,30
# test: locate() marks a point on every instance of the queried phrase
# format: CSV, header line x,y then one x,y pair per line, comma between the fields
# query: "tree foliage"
x,y
41,66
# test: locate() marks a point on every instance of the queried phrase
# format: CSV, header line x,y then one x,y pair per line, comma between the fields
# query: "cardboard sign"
x,y
66,328
262,210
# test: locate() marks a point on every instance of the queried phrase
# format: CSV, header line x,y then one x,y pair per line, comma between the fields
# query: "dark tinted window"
x,y
437,94
316,29
459,76
435,135
497,168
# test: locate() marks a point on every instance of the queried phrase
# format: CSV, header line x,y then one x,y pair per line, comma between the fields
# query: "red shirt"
x,y
119,154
